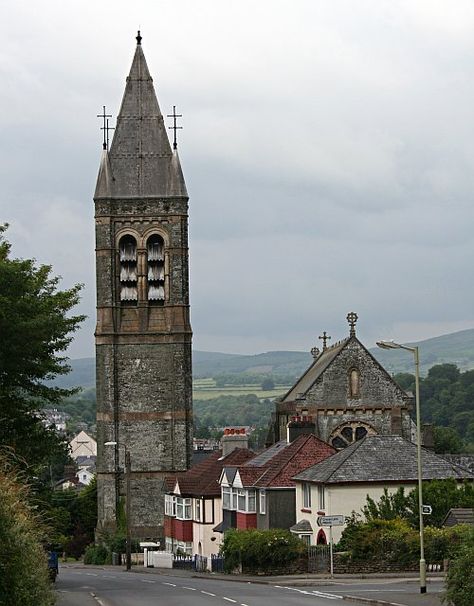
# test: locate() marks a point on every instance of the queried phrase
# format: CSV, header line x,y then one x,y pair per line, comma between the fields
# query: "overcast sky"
x,y
328,149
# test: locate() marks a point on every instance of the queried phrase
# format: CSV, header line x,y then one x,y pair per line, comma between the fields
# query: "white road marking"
x,y
190,588
109,577
319,594
230,600
91,574
144,581
170,584
207,593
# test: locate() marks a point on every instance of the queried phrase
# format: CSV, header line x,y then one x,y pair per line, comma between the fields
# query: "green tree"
x,y
267,384
447,440
35,327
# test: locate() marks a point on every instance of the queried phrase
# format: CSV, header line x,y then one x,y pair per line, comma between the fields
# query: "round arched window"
x,y
156,269
128,270
348,433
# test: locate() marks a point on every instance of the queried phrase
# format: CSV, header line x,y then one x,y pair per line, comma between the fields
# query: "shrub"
x,y
96,554
24,577
460,577
260,550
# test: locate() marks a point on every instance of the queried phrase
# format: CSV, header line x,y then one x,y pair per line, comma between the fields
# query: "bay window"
x,y
183,509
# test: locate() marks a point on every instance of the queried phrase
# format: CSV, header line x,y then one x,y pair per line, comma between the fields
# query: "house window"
x,y
197,510
128,270
233,499
306,538
183,509
170,505
263,502
156,270
306,495
226,497
246,501
321,497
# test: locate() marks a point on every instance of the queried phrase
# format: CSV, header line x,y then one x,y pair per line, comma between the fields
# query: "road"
x,y
96,586
99,587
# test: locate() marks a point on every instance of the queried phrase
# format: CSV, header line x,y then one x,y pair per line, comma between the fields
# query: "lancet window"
x,y
354,383
128,270
156,270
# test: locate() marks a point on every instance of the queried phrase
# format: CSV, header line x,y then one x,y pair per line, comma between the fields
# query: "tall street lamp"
x,y
414,350
128,546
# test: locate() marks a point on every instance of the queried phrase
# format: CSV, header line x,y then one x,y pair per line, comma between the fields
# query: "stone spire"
x,y
140,156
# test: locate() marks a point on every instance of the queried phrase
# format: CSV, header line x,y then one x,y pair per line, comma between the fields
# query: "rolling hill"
x,y
456,348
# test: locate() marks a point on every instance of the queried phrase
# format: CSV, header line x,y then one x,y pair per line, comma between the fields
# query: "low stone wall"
x,y
343,565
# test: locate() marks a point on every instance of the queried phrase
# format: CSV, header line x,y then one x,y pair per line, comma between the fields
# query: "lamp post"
x,y
414,350
128,545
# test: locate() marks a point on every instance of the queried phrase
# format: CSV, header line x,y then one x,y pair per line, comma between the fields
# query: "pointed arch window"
x,y
156,270
128,270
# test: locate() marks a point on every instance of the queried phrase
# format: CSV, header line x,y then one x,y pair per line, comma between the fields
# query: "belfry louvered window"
x,y
128,270
156,270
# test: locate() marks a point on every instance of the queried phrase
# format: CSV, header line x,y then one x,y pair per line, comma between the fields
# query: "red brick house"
x,y
193,500
261,492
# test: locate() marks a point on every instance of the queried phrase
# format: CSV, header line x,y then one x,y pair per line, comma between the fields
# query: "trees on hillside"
x,y
35,327
447,401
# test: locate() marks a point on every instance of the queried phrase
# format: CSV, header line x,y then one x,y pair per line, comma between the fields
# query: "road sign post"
x,y
331,521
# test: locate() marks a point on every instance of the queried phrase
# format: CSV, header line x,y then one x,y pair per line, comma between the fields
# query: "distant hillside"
x,y
456,348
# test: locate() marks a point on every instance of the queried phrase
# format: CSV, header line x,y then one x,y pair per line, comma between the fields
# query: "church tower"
x,y
143,334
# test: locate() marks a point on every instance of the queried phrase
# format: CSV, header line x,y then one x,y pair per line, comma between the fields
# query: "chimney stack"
x,y
300,425
234,437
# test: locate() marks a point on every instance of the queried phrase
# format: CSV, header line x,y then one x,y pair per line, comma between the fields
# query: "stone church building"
x,y
347,394
143,334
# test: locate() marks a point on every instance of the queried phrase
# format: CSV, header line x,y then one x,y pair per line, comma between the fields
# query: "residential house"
x,y
193,499
82,445
261,492
340,484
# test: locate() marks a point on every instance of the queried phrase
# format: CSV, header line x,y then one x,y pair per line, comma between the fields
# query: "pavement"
x,y
346,584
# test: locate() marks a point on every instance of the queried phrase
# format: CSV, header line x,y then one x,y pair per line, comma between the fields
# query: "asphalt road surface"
x,y
112,586
99,587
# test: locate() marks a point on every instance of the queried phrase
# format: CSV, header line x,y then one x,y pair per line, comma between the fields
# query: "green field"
x,y
205,389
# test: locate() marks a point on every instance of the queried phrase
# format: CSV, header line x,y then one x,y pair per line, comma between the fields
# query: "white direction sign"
x,y
330,520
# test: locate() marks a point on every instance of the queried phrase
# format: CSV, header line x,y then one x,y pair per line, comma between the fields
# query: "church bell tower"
x,y
143,334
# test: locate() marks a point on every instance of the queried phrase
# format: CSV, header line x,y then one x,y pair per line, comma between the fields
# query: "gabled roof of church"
x,y
140,162
381,459
309,378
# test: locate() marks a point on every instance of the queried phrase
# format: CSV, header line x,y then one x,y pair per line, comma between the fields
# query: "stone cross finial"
x,y
352,318
315,352
325,338
139,38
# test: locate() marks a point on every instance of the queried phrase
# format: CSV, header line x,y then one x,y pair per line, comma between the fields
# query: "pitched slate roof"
x,y
203,479
277,465
302,526
459,516
381,459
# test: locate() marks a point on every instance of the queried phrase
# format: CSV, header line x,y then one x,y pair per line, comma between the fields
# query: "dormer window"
x,y
128,270
156,270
